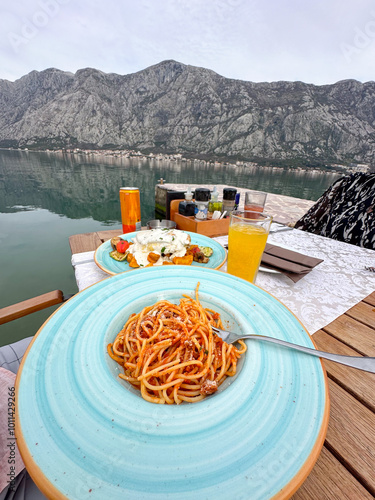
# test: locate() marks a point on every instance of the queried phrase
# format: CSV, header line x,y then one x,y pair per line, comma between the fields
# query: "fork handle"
x,y
364,363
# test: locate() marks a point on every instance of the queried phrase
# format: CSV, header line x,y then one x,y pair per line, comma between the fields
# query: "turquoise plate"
x,y
86,434
111,266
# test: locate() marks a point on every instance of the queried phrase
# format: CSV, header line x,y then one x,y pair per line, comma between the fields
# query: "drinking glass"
x,y
254,201
247,239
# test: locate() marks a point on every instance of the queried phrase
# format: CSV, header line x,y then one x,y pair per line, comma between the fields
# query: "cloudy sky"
x,y
315,41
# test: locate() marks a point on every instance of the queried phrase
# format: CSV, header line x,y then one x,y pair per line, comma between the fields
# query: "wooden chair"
x,y
29,306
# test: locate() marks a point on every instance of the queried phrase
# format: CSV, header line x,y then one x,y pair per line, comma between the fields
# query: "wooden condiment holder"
x,y
211,228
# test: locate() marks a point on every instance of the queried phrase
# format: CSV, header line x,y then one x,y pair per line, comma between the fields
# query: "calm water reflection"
x,y
45,197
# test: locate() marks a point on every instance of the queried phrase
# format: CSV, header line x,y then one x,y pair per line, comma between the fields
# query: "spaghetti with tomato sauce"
x,y
170,353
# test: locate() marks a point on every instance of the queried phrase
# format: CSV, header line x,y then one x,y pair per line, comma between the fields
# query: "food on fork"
x,y
156,247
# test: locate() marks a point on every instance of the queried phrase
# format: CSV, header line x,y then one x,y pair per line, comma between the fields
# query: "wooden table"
x,y
346,466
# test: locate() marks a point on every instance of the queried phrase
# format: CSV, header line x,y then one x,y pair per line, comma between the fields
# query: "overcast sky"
x,y
314,41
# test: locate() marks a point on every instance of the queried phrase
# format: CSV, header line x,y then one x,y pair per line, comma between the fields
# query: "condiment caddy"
x,y
211,215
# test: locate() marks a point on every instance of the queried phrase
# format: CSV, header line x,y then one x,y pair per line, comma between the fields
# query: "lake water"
x,y
46,197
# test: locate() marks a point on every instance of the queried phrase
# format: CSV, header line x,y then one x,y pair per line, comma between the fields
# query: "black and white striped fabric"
x,y
345,212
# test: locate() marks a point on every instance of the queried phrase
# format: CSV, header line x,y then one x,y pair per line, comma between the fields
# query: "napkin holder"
x,y
211,228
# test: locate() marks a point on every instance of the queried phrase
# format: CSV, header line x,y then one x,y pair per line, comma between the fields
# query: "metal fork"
x,y
364,363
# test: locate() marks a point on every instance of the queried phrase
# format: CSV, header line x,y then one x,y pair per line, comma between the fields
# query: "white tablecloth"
x,y
329,290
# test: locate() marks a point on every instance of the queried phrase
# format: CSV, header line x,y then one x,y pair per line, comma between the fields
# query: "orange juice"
x,y
246,244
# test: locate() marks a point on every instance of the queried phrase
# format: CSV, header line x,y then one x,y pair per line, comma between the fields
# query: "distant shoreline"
x,y
178,157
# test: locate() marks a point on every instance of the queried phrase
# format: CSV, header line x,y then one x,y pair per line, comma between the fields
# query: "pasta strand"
x,y
170,353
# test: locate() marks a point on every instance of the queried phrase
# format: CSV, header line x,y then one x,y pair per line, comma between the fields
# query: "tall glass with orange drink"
x,y
247,239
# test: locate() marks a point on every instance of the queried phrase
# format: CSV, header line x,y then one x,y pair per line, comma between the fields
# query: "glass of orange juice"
x,y
254,201
247,239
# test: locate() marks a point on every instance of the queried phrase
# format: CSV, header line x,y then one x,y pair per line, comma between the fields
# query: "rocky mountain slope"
x,y
180,108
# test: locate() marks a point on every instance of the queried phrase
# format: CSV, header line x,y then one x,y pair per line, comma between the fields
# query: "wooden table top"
x,y
346,466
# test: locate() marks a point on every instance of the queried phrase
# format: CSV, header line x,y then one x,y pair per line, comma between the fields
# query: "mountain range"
x,y
178,108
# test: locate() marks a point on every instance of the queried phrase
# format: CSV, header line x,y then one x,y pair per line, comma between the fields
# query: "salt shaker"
x,y
229,197
202,195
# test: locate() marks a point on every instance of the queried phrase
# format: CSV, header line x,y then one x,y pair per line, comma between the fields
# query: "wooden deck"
x,y
346,466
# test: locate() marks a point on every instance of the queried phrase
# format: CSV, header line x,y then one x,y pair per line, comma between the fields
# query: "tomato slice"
x,y
122,246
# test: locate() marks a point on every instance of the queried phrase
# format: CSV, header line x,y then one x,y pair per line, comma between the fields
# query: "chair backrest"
x,y
345,211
